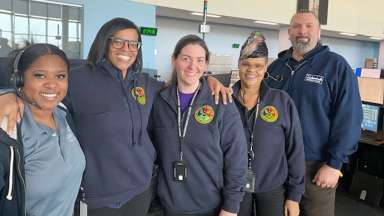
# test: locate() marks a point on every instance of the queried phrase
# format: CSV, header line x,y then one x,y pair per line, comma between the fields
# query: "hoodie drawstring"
x,y
10,186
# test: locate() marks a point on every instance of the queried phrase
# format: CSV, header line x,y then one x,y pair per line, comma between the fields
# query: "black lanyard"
x,y
179,123
251,153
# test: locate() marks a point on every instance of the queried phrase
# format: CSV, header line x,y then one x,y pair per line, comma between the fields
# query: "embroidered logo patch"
x,y
314,78
269,114
139,94
205,114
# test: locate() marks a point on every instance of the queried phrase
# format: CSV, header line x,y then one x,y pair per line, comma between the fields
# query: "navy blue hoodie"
x,y
278,145
111,115
15,173
327,98
214,154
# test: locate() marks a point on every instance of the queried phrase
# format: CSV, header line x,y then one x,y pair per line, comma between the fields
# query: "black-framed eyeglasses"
x,y
119,43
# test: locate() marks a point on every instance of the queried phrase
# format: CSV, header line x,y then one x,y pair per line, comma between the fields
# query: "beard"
x,y
301,46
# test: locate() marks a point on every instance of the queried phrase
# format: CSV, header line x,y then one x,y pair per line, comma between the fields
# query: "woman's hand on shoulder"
x,y
11,109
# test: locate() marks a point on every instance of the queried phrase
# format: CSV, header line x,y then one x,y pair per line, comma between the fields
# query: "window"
x,y
25,21
5,24
54,28
37,26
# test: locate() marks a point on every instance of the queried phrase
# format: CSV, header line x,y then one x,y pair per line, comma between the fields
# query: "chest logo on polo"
x,y
139,94
269,114
314,78
204,114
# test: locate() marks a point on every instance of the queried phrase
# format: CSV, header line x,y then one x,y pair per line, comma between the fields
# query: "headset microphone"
x,y
26,99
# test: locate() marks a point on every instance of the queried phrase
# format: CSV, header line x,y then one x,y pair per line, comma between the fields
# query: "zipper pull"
x,y
82,191
83,204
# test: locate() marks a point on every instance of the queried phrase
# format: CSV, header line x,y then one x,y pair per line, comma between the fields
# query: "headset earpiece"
x,y
16,77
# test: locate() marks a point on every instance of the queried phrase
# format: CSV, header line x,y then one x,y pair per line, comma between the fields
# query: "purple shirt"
x,y
185,100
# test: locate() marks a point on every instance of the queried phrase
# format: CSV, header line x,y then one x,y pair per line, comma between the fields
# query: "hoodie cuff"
x,y
337,164
231,206
294,196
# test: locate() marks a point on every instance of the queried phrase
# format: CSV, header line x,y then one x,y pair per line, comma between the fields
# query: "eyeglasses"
x,y
119,43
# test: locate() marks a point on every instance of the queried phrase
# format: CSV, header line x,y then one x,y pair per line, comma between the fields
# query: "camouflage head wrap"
x,y
254,46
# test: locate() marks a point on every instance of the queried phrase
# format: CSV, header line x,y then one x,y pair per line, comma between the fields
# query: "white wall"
x,y
353,50
219,40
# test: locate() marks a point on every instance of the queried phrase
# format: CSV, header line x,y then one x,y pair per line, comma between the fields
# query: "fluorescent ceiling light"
x,y
265,22
208,15
58,3
376,38
348,34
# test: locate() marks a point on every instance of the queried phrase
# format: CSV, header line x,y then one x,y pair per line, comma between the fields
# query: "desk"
x,y
370,157
371,141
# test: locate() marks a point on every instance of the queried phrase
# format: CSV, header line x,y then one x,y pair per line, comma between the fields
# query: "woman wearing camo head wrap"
x,y
275,171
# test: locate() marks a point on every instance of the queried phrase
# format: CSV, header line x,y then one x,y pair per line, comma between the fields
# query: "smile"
x,y
124,57
251,76
48,95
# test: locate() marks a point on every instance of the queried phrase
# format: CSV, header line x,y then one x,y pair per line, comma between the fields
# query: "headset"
x,y
17,79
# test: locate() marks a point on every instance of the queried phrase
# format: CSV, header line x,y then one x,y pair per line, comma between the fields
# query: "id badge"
x,y
179,171
249,182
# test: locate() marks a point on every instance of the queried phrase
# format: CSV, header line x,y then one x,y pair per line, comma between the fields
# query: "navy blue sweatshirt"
x,y
277,144
111,115
214,154
327,98
16,205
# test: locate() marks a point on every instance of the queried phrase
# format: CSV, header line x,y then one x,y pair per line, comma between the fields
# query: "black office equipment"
x,y
368,188
370,160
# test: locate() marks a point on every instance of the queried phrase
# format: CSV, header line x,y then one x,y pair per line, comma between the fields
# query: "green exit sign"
x,y
148,31
235,45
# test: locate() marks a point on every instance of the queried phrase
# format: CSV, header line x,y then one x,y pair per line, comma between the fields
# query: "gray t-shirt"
x,y
54,164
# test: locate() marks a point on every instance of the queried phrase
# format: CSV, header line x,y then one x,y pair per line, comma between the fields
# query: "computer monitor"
x,y
372,119
224,78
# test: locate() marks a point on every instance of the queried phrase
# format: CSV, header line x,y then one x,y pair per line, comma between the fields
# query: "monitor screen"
x,y
224,78
371,118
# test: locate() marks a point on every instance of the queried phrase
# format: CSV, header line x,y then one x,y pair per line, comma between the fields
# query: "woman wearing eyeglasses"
x,y
110,101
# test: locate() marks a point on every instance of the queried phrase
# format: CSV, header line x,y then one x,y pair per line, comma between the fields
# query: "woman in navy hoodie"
x,y
275,174
201,146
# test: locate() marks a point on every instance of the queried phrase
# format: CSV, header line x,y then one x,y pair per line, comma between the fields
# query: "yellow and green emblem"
x,y
139,94
204,114
269,114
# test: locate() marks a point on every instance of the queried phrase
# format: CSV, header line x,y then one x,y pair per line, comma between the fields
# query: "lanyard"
x,y
179,123
251,153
